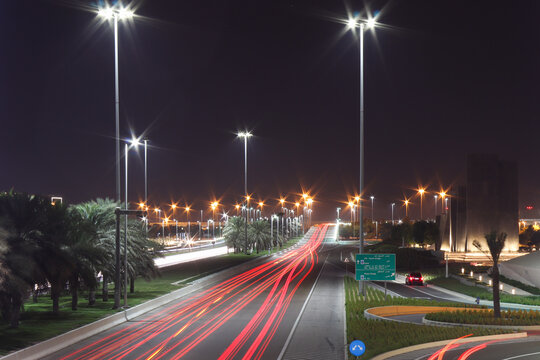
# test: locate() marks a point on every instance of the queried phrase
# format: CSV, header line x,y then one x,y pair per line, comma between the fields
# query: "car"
x,y
414,278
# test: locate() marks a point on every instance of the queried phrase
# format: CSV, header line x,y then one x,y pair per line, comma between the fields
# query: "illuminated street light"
x,y
393,204
116,13
187,210
421,191
372,199
245,135
361,24
435,197
406,202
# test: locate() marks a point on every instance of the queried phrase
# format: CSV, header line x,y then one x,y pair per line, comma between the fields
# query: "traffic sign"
x,y
357,348
375,267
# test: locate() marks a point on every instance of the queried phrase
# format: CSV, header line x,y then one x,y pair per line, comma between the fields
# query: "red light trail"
x,y
176,330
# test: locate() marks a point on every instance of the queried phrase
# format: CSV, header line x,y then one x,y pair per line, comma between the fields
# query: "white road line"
x,y
520,356
289,338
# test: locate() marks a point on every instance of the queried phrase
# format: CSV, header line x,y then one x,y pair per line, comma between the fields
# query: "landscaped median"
x,y
374,333
512,319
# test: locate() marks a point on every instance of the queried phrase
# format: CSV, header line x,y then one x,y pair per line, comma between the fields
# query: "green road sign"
x,y
375,267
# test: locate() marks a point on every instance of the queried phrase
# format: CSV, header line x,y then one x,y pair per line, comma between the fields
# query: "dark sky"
x,y
443,78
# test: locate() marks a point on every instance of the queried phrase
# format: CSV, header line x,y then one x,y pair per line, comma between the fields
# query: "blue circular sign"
x,y
357,348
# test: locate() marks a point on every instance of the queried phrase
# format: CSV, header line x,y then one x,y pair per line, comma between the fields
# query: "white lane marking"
x,y
520,356
289,338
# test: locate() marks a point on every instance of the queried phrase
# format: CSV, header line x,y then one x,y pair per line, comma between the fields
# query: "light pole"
x,y
126,152
245,135
435,197
421,191
352,23
188,223
200,227
372,199
406,208
443,195
393,204
116,13
337,223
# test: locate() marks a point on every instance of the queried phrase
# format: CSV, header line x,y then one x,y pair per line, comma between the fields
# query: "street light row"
x,y
442,194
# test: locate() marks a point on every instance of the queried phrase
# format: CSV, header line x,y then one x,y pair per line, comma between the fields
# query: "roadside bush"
x,y
485,317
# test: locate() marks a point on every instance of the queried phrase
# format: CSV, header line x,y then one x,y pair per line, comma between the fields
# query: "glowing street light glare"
x,y
421,191
244,134
297,204
351,204
351,23
188,208
106,13
370,23
237,206
282,201
305,196
135,141
357,198
261,204
309,201
173,206
125,13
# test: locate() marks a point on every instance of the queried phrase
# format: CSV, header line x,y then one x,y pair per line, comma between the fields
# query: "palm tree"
x,y
20,223
234,233
495,242
98,221
259,234
141,253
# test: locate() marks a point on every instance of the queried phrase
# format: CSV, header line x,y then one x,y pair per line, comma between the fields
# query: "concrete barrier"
x,y
504,327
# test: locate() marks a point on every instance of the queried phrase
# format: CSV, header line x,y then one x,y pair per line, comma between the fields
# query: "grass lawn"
x,y
381,336
474,291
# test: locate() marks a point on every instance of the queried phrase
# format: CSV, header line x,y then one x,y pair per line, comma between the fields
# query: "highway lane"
x,y
248,316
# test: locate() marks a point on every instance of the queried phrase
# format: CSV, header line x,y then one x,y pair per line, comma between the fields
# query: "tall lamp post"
x,y
116,13
353,24
421,191
393,204
372,199
188,223
245,135
435,197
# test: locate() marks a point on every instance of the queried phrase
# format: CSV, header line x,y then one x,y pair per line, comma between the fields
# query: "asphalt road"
x,y
519,349
248,316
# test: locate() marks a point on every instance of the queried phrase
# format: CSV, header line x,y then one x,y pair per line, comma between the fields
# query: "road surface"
x,y
251,315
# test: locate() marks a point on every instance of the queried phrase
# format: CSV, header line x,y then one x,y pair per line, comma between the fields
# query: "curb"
x,y
389,354
52,345
504,327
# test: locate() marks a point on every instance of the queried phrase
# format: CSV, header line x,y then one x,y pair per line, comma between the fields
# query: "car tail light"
x,y
422,278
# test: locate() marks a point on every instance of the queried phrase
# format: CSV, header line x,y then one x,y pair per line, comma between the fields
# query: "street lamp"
x,y
372,198
406,202
435,197
116,13
393,204
353,24
443,195
421,191
245,135
188,223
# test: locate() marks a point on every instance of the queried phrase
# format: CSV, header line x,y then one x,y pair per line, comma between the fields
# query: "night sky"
x,y
442,79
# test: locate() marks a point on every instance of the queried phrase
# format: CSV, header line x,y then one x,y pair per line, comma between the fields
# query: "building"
x,y
488,202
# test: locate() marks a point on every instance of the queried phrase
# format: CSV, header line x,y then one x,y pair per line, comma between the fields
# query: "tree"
x,y
259,234
98,222
495,242
419,232
20,230
234,233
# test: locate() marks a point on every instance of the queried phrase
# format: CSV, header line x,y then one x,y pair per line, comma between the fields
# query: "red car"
x,y
414,278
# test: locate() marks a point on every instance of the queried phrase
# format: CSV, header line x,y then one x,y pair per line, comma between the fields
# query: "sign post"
x,y
375,267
